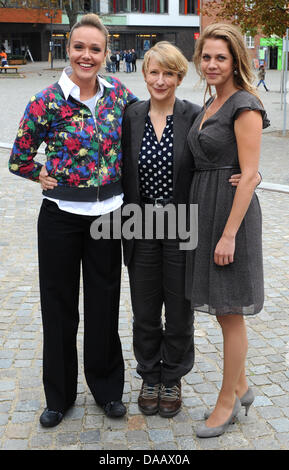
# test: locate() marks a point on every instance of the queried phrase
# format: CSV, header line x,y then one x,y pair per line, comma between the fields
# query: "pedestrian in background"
x,y
117,61
79,118
108,63
128,58
133,60
261,76
3,57
113,62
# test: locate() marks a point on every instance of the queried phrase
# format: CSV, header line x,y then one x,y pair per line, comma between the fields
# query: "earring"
x,y
235,72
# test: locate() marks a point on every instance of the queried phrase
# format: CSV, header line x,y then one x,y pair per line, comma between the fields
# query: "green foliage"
x,y
267,17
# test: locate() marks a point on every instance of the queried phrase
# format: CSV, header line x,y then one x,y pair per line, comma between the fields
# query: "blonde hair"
x,y
93,20
169,58
244,77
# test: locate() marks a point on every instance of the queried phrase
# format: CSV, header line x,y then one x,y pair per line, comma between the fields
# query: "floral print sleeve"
x,y
83,151
31,133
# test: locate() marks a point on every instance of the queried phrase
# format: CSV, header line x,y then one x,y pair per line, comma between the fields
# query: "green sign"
x,y
107,20
277,42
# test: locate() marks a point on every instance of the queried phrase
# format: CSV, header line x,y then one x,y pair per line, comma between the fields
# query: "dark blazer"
x,y
132,132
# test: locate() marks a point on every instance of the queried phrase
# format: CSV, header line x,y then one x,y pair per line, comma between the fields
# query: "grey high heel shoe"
x,y
204,431
246,401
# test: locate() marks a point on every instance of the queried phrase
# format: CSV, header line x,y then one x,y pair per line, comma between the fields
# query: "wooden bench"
x,y
10,67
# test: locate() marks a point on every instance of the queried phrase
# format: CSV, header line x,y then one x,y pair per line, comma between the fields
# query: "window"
x,y
250,41
189,7
138,6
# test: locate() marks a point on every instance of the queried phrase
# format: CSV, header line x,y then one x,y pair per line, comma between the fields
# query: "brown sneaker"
x,y
148,400
170,400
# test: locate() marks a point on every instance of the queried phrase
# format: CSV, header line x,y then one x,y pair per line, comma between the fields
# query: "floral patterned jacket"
x,y
83,151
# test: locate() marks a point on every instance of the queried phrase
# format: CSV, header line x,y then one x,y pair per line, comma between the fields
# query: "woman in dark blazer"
x,y
157,171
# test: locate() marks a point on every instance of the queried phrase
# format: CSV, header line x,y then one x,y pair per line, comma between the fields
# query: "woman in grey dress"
x,y
225,273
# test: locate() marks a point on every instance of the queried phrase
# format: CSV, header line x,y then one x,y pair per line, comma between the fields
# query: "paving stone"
x,y
137,436
3,419
280,424
166,446
136,423
270,412
187,444
6,385
262,401
182,429
18,431
161,435
23,417
265,444
89,436
63,439
39,441
273,390
15,444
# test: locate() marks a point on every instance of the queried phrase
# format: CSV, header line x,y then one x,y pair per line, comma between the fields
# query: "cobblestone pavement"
x,y
85,427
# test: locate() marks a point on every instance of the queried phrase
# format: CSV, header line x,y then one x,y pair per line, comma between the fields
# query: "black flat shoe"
x,y
50,418
114,409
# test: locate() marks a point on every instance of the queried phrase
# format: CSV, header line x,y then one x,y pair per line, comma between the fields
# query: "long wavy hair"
x,y
244,76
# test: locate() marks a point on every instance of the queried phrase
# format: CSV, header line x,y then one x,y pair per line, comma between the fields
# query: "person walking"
x,y
79,118
224,275
261,76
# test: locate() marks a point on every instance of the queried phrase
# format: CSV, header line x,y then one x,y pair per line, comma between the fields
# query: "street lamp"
x,y
52,14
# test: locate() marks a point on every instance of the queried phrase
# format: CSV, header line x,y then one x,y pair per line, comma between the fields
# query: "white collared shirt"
x,y
85,208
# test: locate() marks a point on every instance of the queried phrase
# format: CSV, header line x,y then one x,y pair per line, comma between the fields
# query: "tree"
x,y
72,9
264,16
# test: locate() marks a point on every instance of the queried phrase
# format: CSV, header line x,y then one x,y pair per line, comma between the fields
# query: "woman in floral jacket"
x,y
79,118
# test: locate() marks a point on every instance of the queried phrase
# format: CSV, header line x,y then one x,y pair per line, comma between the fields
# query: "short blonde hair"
x,y
169,58
244,77
93,20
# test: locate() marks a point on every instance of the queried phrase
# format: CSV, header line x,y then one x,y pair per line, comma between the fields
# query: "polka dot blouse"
x,y
156,162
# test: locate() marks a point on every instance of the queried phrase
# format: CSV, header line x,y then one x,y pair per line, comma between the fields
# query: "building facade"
x,y
23,28
137,24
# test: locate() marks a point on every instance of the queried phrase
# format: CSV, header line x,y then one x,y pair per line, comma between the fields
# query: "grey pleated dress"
x,y
237,288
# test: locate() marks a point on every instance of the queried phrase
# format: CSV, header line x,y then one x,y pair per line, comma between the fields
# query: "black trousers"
x,y
157,278
64,245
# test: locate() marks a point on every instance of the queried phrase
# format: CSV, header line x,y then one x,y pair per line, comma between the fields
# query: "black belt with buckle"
x,y
158,201
233,167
